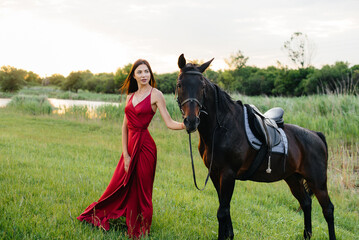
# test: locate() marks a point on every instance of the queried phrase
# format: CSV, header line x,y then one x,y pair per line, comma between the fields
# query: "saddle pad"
x,y
282,147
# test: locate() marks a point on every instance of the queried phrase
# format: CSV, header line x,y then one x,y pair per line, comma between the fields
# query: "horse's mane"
x,y
223,97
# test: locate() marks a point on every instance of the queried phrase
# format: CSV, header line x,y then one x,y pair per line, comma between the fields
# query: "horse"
x,y
210,110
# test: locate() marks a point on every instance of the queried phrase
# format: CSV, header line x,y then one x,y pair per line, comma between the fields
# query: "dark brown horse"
x,y
211,111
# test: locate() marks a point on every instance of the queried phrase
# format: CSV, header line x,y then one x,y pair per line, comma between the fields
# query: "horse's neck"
x,y
209,123
205,130
219,121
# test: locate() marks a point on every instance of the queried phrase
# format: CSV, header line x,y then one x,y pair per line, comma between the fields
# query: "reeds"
x,y
52,92
34,105
344,166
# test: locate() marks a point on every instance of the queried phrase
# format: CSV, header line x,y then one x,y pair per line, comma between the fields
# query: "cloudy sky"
x,y
60,36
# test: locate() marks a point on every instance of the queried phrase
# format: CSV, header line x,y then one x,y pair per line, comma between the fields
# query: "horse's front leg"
x,y
225,191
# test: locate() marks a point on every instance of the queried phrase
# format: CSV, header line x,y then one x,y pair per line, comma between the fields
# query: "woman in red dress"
x,y
129,192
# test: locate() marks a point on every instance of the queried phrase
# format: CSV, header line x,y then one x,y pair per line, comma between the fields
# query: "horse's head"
x,y
190,90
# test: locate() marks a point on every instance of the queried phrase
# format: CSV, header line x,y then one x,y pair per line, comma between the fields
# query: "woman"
x,y
129,192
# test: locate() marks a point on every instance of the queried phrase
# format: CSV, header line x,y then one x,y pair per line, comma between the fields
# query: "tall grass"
x,y
344,86
344,166
30,104
53,92
6,94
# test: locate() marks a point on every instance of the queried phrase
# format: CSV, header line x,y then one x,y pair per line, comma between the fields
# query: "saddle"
x,y
264,133
265,126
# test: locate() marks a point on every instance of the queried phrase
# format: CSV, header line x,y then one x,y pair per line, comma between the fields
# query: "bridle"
x,y
180,104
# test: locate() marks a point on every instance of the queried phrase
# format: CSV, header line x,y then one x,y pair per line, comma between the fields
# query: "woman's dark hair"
x,y
130,84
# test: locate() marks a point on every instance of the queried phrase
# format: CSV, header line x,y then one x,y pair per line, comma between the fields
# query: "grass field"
x,y
52,167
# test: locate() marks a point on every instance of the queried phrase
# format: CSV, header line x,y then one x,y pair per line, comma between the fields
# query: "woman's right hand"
x,y
127,159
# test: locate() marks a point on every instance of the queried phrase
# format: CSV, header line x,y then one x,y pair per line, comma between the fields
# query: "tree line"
x,y
277,80
247,80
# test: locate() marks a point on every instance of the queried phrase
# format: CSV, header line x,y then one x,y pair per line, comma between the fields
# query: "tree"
x,y
166,82
260,81
212,75
290,81
106,82
56,79
32,78
11,79
121,75
76,80
237,60
300,50
226,80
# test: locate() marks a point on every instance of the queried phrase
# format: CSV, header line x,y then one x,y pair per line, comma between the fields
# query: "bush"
x,y
35,105
11,79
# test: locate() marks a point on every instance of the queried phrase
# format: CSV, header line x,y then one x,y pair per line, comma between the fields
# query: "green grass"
x,y
52,167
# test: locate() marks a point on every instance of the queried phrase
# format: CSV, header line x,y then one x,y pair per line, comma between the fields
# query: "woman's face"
x,y
142,75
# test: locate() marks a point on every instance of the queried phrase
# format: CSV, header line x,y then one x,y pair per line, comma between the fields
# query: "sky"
x,y
61,36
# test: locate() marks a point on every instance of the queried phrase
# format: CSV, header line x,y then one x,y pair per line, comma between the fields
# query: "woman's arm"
x,y
126,156
160,102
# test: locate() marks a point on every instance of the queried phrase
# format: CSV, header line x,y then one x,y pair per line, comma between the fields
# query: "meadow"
x,y
53,166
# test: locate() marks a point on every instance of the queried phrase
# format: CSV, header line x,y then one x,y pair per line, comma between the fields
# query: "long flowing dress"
x,y
130,194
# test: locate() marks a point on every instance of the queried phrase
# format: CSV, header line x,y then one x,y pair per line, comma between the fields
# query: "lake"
x,y
60,105
4,102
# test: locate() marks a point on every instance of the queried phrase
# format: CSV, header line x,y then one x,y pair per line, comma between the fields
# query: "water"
x,y
66,103
61,105
4,102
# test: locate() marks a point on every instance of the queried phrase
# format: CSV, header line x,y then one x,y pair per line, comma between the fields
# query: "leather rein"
x,y
180,104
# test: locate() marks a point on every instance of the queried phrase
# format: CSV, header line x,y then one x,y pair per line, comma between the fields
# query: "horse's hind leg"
x,y
295,183
321,192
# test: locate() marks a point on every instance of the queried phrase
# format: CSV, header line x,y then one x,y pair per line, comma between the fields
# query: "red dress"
x,y
130,194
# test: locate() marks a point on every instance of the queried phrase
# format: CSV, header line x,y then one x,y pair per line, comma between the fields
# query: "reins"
x,y
210,165
214,132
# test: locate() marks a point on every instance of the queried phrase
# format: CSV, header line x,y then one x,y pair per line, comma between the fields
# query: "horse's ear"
x,y
204,66
181,61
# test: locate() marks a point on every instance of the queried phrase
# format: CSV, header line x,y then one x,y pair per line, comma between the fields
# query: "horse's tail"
x,y
321,135
307,189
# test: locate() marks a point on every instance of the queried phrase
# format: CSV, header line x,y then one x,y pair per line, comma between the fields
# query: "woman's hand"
x,y
127,159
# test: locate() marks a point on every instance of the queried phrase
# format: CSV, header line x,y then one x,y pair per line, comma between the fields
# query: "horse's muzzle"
x,y
191,123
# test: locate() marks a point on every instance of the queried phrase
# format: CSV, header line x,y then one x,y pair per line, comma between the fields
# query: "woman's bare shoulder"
x,y
157,93
128,97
